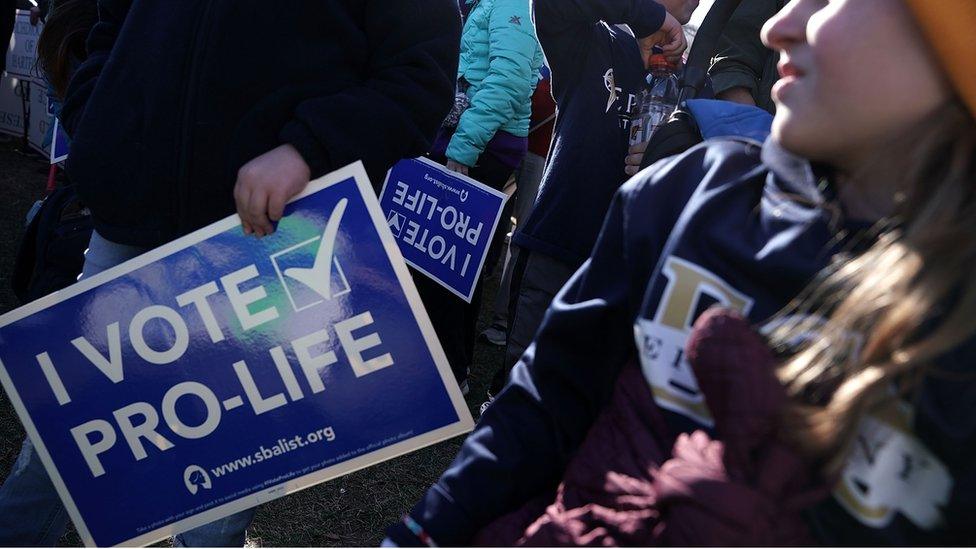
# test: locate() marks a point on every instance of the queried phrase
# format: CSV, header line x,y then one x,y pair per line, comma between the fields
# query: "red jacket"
x,y
543,119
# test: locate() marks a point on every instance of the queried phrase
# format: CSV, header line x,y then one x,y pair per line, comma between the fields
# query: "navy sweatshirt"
x,y
176,95
597,72
730,223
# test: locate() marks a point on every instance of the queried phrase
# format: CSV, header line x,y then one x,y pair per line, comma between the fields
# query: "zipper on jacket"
x,y
189,94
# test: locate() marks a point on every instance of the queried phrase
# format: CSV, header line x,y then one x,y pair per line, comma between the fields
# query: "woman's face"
x,y
854,74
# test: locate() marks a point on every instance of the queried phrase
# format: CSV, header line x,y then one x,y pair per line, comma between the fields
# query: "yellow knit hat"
x,y
950,28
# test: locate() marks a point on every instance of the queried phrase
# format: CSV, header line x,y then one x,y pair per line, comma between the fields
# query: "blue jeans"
x,y
31,513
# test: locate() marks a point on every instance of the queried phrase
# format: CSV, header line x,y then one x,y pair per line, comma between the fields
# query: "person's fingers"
x,y
670,47
634,159
674,41
257,208
631,170
276,206
456,167
241,197
677,43
639,148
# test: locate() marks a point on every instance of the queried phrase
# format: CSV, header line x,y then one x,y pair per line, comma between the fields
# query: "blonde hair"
x,y
893,310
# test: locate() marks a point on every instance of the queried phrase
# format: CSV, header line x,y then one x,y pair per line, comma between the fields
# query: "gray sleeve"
x,y
741,59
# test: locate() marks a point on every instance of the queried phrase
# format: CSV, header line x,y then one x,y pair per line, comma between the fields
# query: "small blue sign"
x,y
442,220
59,143
220,371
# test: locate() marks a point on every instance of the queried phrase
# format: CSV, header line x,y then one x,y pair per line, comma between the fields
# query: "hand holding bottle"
x,y
634,158
670,39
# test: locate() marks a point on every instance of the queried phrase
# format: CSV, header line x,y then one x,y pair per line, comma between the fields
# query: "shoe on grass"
x,y
495,335
485,405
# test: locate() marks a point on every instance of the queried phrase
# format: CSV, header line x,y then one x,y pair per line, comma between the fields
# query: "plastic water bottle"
x,y
657,100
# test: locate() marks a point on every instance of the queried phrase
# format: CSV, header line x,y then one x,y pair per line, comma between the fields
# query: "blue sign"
x,y
220,371
442,220
59,143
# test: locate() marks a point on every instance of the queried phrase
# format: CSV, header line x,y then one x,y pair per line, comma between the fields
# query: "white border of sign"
x,y
54,143
464,424
494,226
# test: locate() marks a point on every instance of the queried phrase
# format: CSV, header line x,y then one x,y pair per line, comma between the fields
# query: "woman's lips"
x,y
783,86
788,69
790,74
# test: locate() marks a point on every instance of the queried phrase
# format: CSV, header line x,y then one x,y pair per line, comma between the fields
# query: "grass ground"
x,y
349,511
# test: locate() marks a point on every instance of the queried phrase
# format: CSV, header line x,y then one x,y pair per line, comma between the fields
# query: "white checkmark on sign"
x,y
319,276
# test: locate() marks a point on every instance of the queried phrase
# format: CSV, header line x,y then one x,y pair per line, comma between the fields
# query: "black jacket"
x,y
178,94
743,227
742,60
597,73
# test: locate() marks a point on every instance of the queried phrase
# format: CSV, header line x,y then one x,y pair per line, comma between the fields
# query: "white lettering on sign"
x,y
259,403
452,220
132,433
312,366
112,366
415,201
354,347
198,298
139,423
90,449
241,301
181,341
205,395
159,335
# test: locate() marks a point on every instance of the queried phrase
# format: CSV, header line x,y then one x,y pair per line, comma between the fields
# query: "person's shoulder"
x,y
509,5
713,163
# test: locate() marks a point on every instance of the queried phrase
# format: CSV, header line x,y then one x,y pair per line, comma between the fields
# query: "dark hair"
x,y
61,46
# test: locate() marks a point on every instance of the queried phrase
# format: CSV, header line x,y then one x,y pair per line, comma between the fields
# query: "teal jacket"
x,y
500,59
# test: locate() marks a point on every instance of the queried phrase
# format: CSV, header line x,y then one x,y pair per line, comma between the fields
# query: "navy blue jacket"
x,y
597,72
177,95
727,222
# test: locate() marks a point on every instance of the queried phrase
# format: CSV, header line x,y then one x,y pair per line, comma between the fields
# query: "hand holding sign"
x,y
219,372
265,185
457,167
442,220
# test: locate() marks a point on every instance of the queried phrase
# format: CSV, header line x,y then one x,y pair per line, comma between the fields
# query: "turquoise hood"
x,y
500,59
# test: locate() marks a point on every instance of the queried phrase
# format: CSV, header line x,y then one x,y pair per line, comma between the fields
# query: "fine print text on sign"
x,y
443,221
219,371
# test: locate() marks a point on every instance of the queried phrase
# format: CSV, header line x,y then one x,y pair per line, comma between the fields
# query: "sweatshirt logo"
x,y
624,111
516,20
610,83
890,471
661,337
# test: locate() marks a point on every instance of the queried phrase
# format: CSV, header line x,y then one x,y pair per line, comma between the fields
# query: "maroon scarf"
x,y
631,483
